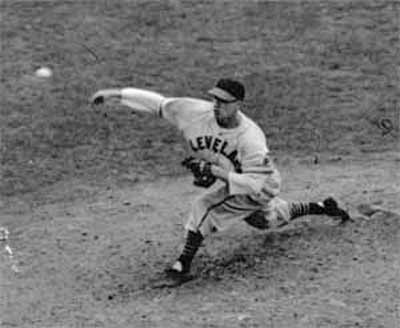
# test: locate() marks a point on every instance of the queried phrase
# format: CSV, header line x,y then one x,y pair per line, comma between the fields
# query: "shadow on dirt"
x,y
301,253
278,250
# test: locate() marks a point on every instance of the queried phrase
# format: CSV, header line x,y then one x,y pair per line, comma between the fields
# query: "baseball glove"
x,y
201,171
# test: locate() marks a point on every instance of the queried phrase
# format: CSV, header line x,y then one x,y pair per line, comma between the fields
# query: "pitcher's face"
x,y
225,112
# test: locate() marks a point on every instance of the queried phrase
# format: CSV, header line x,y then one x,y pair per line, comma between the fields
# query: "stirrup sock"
x,y
300,209
192,244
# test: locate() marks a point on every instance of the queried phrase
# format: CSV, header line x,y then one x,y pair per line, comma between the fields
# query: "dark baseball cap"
x,y
228,90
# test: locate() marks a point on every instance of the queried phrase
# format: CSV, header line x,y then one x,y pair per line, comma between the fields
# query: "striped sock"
x,y
192,244
300,209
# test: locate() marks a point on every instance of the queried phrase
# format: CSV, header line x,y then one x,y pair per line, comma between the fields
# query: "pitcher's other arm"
x,y
256,166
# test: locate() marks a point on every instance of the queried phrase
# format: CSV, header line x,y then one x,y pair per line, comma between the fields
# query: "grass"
x,y
320,77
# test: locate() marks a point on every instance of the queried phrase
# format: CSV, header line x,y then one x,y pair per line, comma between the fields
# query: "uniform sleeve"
x,y
142,100
183,111
178,111
256,166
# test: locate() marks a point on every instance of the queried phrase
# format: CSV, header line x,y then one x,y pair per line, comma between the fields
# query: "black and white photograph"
x,y
200,163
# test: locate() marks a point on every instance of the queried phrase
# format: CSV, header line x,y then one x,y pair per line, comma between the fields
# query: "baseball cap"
x,y
228,90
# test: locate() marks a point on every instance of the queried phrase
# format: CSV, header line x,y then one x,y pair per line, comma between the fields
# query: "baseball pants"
x,y
216,210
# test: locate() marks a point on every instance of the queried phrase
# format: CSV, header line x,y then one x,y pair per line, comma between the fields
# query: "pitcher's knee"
x,y
206,227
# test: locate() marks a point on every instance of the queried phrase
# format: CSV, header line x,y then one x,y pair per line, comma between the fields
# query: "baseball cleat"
x,y
172,278
332,209
178,273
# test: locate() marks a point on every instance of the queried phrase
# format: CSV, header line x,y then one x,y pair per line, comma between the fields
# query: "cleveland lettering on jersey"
x,y
216,145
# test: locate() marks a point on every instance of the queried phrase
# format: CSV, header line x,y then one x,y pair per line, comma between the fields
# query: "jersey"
x,y
241,150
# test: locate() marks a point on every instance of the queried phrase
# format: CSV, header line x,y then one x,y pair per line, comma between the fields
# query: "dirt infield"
x,y
98,262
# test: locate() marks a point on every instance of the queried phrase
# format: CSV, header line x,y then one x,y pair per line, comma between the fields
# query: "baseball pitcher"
x,y
225,145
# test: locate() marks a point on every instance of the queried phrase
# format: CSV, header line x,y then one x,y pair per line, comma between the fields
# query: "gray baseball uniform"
x,y
254,182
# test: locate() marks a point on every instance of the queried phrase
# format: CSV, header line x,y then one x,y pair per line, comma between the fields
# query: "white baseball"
x,y
43,72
